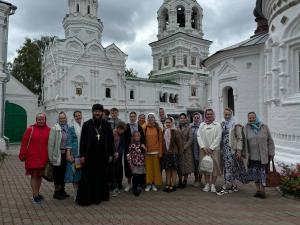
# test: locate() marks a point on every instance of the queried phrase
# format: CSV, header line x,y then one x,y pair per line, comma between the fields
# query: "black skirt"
x,y
170,162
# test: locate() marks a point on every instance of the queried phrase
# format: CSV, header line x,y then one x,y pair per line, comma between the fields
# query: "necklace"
x,y
98,131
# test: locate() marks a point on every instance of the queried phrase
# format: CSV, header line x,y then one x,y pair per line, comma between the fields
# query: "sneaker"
x,y
222,191
115,192
154,188
36,200
234,188
213,188
196,184
148,187
127,188
206,188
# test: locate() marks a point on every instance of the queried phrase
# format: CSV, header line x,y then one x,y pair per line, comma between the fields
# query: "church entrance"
x,y
15,122
228,98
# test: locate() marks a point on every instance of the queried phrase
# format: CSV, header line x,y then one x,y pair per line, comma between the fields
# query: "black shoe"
x,y
263,195
57,195
179,184
171,189
257,194
166,189
137,191
65,194
184,184
41,197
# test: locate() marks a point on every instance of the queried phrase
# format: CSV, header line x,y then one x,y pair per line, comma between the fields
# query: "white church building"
x,y
78,71
260,74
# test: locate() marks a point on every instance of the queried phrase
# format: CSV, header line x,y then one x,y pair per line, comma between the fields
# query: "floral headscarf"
x,y
205,118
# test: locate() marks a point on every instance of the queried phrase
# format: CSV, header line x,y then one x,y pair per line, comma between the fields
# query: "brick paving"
x,y
189,206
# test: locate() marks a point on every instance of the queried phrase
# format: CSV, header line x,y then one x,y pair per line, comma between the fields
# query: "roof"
x,y
8,3
151,80
252,41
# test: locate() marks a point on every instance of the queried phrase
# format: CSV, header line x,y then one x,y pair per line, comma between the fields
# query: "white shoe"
x,y
128,187
213,188
206,188
115,192
154,188
196,184
148,187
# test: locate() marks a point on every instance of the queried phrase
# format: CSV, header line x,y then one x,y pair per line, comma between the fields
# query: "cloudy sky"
x,y
131,24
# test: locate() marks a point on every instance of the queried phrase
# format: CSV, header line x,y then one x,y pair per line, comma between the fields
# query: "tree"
x,y
130,73
26,67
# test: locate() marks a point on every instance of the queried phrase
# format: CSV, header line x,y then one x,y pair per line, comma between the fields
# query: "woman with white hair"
x,y
153,142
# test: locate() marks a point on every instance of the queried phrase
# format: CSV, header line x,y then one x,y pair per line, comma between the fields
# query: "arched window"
x,y
193,60
165,19
107,93
195,20
230,99
89,9
176,98
159,64
181,16
174,61
166,61
77,8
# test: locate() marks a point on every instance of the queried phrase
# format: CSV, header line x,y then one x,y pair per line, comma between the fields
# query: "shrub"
x,y
290,183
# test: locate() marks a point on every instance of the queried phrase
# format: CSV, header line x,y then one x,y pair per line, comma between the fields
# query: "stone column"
x,y
6,9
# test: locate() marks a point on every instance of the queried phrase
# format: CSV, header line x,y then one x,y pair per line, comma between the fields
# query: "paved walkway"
x,y
189,206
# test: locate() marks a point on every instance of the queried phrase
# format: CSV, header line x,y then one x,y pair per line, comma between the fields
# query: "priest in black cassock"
x,y
96,151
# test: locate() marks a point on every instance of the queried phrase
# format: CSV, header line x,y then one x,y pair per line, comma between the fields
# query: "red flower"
x,y
294,175
298,166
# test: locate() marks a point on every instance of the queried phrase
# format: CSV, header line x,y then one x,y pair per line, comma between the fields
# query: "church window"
x,y
89,9
107,93
176,99
200,63
77,8
193,60
165,19
174,61
78,91
195,18
193,91
166,61
181,16
131,94
185,60
159,64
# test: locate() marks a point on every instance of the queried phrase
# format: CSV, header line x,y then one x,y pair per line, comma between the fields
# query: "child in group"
x,y
136,159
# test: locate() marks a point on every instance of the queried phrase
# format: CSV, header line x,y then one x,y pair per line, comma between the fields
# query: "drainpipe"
x,y
7,79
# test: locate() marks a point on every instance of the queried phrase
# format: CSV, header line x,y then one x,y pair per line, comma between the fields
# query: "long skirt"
x,y
153,173
186,162
257,172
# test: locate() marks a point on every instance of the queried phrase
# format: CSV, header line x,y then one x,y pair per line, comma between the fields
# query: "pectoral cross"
x,y
98,137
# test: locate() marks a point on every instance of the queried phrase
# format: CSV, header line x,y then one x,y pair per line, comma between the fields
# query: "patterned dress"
x,y
234,169
72,175
186,162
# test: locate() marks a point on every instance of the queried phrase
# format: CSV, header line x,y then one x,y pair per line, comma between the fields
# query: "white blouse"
x,y
210,135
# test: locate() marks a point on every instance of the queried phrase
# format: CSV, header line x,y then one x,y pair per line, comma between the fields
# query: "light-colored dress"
x,y
209,136
72,175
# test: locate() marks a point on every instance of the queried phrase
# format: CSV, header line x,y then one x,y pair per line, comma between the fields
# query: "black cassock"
x,y
93,186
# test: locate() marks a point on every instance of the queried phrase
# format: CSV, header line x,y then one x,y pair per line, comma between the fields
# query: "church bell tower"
x,y
82,21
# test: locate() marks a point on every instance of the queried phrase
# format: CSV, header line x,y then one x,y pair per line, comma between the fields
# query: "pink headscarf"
x,y
205,118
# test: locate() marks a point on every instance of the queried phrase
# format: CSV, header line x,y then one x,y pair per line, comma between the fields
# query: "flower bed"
x,y
290,181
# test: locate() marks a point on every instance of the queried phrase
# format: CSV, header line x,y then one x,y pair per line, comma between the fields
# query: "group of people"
x,y
94,155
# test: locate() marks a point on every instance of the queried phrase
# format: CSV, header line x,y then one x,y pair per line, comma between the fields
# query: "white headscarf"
x,y
77,128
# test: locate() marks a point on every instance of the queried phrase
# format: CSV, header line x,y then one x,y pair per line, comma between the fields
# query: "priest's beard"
x,y
97,117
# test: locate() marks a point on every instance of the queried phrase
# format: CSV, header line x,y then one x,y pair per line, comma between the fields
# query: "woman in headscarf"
x,y
172,146
197,119
231,147
34,151
73,171
186,165
153,142
57,151
259,150
209,139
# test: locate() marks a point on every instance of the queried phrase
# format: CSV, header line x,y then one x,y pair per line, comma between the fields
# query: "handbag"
x,y
48,172
273,177
206,165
